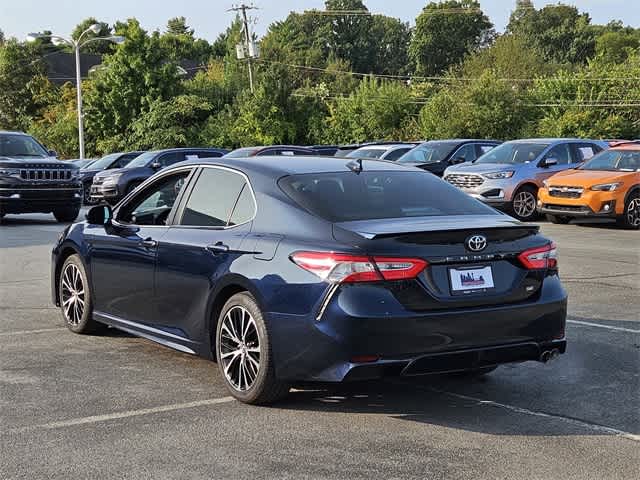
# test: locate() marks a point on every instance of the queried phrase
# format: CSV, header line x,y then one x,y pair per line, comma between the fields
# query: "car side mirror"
x,y
100,215
52,153
549,162
156,165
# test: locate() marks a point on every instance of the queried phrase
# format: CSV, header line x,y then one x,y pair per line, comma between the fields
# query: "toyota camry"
x,y
325,270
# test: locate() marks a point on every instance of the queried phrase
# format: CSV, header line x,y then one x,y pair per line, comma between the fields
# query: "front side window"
x,y
153,205
213,199
561,153
346,196
466,153
513,153
394,155
170,158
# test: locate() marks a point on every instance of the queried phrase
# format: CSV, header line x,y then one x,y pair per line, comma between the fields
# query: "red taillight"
x,y
347,268
540,257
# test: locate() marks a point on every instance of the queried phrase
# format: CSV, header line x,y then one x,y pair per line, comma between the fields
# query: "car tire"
x,y
523,204
243,351
558,219
630,219
74,296
66,215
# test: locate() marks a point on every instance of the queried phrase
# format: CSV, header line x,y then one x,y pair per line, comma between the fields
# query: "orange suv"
x,y
608,185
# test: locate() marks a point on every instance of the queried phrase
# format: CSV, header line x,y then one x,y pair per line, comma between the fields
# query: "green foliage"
x,y
179,42
21,84
585,105
560,32
57,126
170,123
376,110
617,46
447,31
133,79
484,108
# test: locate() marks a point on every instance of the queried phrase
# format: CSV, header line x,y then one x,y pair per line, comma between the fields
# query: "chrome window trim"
x,y
248,182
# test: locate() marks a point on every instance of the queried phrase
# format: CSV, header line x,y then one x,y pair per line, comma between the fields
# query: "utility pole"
x,y
249,50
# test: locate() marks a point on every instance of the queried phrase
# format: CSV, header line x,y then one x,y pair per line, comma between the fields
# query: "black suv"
x,y
113,185
33,180
436,155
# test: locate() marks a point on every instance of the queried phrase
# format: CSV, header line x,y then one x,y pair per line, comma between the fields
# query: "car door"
x,y
123,254
206,239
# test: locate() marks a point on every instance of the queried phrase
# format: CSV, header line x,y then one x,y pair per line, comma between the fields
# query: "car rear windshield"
x,y
621,160
347,196
513,152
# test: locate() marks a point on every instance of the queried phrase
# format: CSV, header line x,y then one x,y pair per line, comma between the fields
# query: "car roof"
x,y
278,166
188,149
385,147
626,146
553,140
13,132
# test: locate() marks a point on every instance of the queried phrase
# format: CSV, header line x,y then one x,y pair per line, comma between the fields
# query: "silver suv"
x,y
508,177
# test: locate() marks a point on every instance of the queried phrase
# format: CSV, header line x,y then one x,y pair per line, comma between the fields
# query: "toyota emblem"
x,y
477,243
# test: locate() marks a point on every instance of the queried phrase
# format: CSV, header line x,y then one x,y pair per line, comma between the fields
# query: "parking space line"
x,y
127,414
28,332
608,327
573,421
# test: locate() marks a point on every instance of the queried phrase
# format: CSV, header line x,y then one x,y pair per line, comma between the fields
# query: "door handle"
x,y
149,243
218,248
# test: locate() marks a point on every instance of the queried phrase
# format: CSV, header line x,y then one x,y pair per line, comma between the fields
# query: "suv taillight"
x,y
348,268
540,257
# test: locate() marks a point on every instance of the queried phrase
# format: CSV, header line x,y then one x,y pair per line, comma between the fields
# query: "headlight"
x,y
9,172
498,175
111,180
606,187
545,183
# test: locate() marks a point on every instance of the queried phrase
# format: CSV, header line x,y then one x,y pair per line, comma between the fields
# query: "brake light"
x,y
540,257
347,268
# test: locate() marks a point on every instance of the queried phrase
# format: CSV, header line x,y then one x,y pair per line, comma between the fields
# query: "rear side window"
x,y
346,196
244,209
213,198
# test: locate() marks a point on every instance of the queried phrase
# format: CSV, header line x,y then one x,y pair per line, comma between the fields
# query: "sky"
x,y
209,17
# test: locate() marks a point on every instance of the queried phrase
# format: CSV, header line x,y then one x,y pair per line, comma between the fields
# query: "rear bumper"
x,y
333,349
39,199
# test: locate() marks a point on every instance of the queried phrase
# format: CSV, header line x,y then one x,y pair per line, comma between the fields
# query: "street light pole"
x,y
79,95
77,45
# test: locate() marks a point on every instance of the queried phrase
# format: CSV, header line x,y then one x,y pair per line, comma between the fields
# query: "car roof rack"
x,y
624,142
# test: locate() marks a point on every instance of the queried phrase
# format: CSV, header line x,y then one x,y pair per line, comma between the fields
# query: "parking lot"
x,y
123,407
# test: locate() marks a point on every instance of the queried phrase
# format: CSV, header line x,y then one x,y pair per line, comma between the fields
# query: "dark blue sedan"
x,y
322,270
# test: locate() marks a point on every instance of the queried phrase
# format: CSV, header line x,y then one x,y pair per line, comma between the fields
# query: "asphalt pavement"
x,y
116,406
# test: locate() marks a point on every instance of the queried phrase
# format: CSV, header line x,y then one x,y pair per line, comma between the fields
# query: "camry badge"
x,y
477,243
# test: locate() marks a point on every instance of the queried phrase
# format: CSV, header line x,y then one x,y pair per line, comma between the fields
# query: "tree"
x,y
560,32
22,81
98,48
375,110
445,32
484,108
170,123
136,76
2,39
178,26
180,43
617,46
509,57
57,125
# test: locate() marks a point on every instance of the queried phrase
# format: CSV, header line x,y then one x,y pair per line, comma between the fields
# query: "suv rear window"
x,y
347,196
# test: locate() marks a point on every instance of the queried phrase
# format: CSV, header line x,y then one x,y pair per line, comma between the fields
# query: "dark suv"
x,y
436,156
112,185
33,180
108,162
